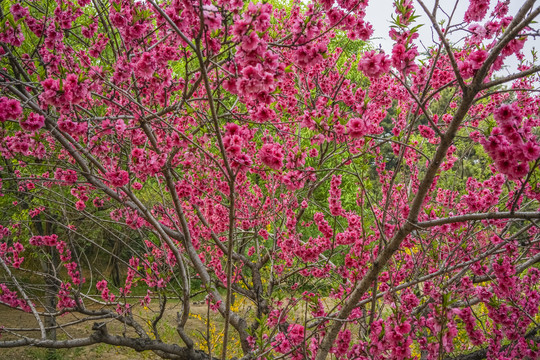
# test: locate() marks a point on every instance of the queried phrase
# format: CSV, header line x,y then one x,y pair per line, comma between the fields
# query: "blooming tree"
x,y
362,205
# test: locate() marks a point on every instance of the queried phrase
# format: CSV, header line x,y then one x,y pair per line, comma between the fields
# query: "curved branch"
x,y
101,336
479,216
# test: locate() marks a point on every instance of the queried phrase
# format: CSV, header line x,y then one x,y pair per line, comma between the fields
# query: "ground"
x,y
12,318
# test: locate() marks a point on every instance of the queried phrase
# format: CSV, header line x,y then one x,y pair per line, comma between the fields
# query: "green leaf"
x,y
11,20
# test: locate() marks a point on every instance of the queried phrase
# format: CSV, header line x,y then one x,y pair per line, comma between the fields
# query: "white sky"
x,y
379,13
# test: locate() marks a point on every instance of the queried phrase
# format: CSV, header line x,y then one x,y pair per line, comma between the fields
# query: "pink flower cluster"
x,y
271,155
403,57
145,67
73,91
14,259
310,54
504,271
36,211
68,176
235,140
255,68
80,193
106,295
482,196
323,225
341,345
46,240
472,63
512,144
131,273
395,337
360,30
349,16
334,200
99,45
477,10
357,127
117,178
21,143
294,180
4,232
33,122
426,132
65,301
374,64
255,80
12,34
19,11
73,272
10,298
71,127
65,256
476,336
284,343
10,109
404,51
313,249
146,163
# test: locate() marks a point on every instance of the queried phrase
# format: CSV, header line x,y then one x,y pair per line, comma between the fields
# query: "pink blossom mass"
x,y
278,179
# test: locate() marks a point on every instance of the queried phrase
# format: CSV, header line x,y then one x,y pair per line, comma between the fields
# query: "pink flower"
x,y
477,10
137,153
478,31
477,59
250,42
519,170
531,151
465,69
334,199
19,11
33,122
404,328
374,64
403,59
145,66
513,47
310,55
281,343
10,109
255,80
101,285
271,155
80,205
36,240
264,113
242,160
212,17
296,333
506,113
50,240
363,30
118,178
426,131
233,144
356,128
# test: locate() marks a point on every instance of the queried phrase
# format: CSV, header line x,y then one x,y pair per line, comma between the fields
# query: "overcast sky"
x,y
379,14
